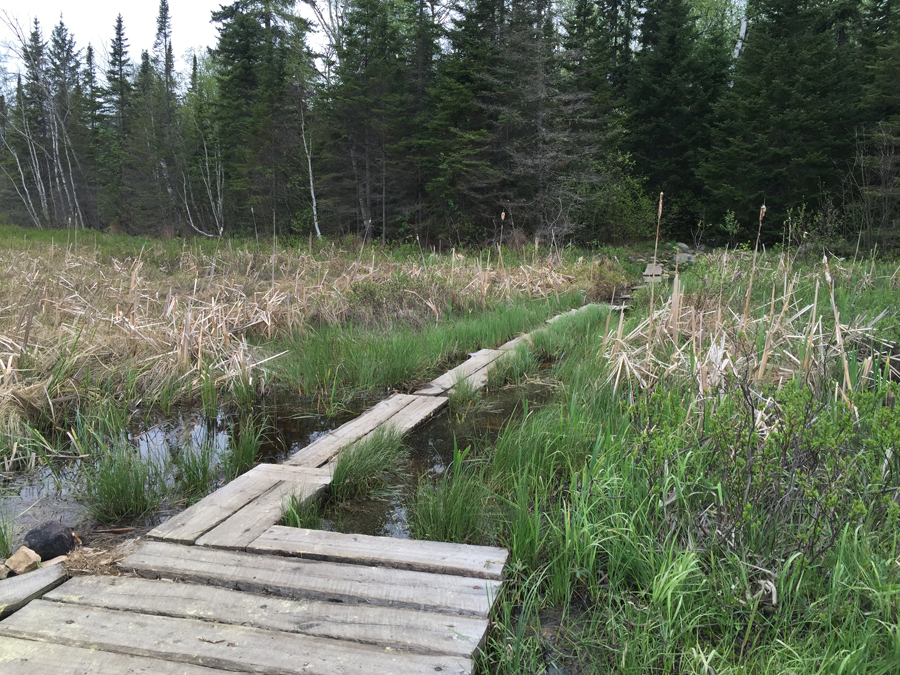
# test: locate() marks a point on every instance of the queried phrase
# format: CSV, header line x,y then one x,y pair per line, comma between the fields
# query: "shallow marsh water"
x,y
44,494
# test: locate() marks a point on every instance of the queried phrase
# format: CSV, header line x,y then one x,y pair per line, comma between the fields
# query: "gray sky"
x,y
92,21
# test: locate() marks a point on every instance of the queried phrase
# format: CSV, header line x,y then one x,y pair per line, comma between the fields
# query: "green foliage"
x,y
121,486
7,530
247,435
365,467
303,513
195,471
455,508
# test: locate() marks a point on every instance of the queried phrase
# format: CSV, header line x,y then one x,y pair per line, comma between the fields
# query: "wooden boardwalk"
x,y
221,587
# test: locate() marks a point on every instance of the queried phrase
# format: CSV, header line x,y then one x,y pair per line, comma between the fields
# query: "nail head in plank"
x,y
300,578
422,632
18,591
27,657
216,645
484,562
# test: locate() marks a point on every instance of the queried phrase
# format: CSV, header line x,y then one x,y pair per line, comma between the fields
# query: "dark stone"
x,y
50,540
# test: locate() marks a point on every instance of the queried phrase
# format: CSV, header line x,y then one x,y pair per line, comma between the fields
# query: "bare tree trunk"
x,y
312,189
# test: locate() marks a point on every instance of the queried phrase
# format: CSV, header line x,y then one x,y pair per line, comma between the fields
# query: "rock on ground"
x,y
23,561
50,540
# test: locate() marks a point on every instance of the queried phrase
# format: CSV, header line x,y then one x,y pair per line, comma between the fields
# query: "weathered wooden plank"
x,y
445,382
187,526
215,645
483,562
422,632
515,342
28,657
16,592
322,450
263,512
301,578
418,412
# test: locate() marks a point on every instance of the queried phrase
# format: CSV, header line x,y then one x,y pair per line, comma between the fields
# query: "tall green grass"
x,y
195,471
302,513
366,467
455,508
7,530
246,436
122,486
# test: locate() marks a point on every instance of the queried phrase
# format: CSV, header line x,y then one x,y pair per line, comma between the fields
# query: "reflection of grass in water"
x,y
365,467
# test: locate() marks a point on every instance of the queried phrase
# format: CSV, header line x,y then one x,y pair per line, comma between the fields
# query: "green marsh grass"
x,y
463,398
246,436
121,486
195,471
365,467
302,513
514,367
7,530
454,508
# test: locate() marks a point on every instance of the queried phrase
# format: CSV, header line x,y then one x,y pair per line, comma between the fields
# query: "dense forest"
x,y
468,121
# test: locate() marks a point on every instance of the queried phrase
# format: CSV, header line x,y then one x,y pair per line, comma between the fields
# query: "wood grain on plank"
x,y
300,578
324,449
445,382
215,645
423,632
187,526
256,517
418,412
484,562
18,591
28,657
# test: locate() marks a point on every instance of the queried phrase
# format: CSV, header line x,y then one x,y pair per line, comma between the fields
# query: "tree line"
x,y
468,121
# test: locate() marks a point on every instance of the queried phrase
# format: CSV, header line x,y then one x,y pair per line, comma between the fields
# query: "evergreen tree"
x,y
675,82
784,135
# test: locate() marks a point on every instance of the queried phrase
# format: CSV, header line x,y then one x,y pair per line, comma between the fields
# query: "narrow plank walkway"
x,y
222,588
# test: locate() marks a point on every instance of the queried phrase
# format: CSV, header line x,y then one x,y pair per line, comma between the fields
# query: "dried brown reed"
x,y
705,341
78,324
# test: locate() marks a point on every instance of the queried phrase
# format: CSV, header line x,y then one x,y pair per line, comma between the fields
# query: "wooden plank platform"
x,y
18,591
421,632
403,411
30,657
316,580
231,504
215,645
474,370
483,562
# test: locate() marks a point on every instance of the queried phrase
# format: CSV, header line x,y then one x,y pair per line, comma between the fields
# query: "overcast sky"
x,y
91,21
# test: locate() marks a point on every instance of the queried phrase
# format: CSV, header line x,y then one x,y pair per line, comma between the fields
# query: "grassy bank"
x,y
714,489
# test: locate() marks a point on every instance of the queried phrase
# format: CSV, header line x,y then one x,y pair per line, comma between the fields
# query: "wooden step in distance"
x,y
400,410
30,657
316,580
421,632
223,646
195,521
483,562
